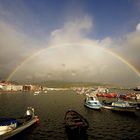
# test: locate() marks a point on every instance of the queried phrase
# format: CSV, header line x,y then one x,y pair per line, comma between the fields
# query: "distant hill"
x,y
67,84
64,84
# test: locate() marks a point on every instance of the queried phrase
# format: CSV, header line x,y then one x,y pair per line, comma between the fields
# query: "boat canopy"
x,y
91,98
7,121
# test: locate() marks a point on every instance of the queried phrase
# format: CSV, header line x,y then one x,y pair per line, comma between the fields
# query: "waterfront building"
x,y
27,87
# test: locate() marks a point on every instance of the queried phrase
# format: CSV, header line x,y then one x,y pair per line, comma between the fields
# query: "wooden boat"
x,y
75,123
122,106
10,127
92,102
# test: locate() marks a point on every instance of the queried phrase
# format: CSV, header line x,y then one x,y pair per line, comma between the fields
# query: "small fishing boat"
x,y
11,126
137,88
92,102
75,123
45,91
120,105
36,92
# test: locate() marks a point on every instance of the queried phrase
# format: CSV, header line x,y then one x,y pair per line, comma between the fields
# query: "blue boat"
x,y
92,102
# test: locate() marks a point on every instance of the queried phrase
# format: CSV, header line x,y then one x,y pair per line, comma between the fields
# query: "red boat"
x,y
108,95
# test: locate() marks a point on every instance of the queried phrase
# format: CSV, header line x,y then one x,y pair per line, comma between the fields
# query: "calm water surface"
x,y
51,108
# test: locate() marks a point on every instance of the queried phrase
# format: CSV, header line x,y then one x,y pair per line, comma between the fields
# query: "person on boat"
x,y
33,111
29,113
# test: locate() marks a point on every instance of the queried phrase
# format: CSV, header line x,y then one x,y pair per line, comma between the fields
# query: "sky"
x,y
70,40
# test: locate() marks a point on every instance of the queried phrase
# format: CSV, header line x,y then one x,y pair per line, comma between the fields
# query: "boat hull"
x,y
5,129
96,107
120,109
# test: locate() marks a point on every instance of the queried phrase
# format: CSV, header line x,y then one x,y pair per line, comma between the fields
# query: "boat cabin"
x,y
120,104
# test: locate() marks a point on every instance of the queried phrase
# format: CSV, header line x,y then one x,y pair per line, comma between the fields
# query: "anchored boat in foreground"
x,y
75,123
11,126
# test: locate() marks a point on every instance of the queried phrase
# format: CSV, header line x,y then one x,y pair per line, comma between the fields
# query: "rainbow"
x,y
120,58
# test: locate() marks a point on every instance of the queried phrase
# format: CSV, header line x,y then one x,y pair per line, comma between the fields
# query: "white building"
x,y
10,87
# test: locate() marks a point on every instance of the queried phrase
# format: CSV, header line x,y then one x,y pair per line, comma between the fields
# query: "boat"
x,y
120,105
92,102
36,92
108,95
12,126
102,90
138,96
137,88
75,123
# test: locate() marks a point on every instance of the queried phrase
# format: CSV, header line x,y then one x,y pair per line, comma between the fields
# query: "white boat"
x,y
36,92
138,96
92,102
102,90
11,127
121,106
7,125
137,88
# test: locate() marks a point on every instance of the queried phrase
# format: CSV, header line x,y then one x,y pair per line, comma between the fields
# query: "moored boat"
x,y
108,95
10,127
36,92
92,102
122,106
75,123
137,88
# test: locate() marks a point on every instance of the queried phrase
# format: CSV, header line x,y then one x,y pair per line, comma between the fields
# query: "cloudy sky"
x,y
70,40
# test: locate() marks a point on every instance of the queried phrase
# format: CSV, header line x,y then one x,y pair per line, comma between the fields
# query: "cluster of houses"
x,y
7,86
